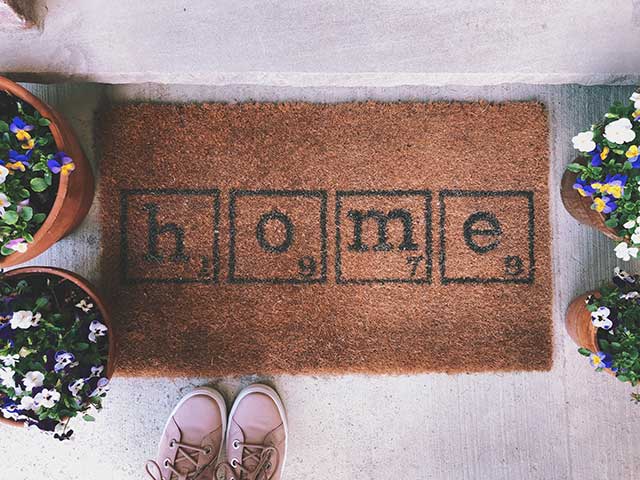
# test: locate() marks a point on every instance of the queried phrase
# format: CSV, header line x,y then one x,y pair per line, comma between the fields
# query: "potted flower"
x,y
601,188
605,324
46,184
57,351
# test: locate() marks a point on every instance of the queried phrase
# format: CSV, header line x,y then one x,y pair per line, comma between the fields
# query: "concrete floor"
x,y
330,42
570,423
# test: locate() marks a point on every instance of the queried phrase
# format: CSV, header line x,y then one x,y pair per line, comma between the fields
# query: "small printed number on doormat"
x,y
311,238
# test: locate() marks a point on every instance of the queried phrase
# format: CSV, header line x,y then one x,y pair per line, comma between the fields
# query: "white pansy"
x,y
6,377
47,398
25,319
96,371
33,380
635,98
9,360
96,329
584,142
84,305
4,203
600,318
630,224
4,171
625,252
619,131
635,238
28,403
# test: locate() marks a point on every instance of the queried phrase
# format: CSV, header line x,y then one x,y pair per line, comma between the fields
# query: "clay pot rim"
x,y
90,290
63,185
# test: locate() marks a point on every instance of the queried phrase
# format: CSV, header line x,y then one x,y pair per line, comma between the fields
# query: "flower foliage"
x,y
30,165
53,353
610,172
615,311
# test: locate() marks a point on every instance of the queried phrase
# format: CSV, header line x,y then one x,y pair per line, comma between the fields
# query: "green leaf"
x,y
4,127
10,217
44,122
38,184
82,346
88,418
26,213
623,378
611,222
39,217
575,167
584,351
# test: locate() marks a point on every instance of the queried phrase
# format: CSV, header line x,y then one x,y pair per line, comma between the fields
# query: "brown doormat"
x,y
307,238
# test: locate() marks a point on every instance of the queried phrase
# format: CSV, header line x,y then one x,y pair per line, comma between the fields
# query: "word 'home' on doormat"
x,y
313,238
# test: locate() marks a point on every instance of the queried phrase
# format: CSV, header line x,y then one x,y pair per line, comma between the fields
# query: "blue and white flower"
x,y
76,386
600,318
63,360
102,387
97,329
96,371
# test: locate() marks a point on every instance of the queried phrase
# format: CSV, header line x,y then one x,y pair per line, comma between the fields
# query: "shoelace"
x,y
261,454
181,454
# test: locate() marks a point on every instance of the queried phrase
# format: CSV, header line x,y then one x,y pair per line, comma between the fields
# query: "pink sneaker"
x,y
192,438
256,440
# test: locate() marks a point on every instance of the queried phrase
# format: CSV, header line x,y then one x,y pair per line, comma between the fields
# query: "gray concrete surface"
x,y
331,42
570,423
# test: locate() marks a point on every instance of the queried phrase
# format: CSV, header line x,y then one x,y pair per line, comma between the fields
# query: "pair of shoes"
x,y
197,430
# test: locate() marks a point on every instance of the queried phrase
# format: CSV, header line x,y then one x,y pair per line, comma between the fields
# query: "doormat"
x,y
313,238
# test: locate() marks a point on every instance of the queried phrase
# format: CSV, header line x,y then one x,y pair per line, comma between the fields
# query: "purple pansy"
x,y
600,360
583,187
61,162
63,360
19,127
596,159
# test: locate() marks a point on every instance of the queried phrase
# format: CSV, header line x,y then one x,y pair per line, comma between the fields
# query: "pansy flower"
x,y
102,386
6,377
4,203
625,252
18,161
598,155
63,360
47,398
613,185
25,319
76,386
583,187
9,360
33,380
605,204
600,360
61,163
600,318
29,144
21,129
17,245
84,305
634,156
622,278
96,329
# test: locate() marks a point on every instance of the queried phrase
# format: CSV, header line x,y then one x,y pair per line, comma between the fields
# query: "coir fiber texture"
x,y
308,238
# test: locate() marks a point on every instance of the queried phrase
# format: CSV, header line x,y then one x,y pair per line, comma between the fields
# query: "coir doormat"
x,y
307,238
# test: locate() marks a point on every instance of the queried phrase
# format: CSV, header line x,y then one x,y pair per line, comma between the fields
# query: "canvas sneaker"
x,y
256,440
192,438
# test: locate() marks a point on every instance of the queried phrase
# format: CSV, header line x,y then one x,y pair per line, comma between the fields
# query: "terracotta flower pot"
x,y
579,207
578,323
75,191
95,298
